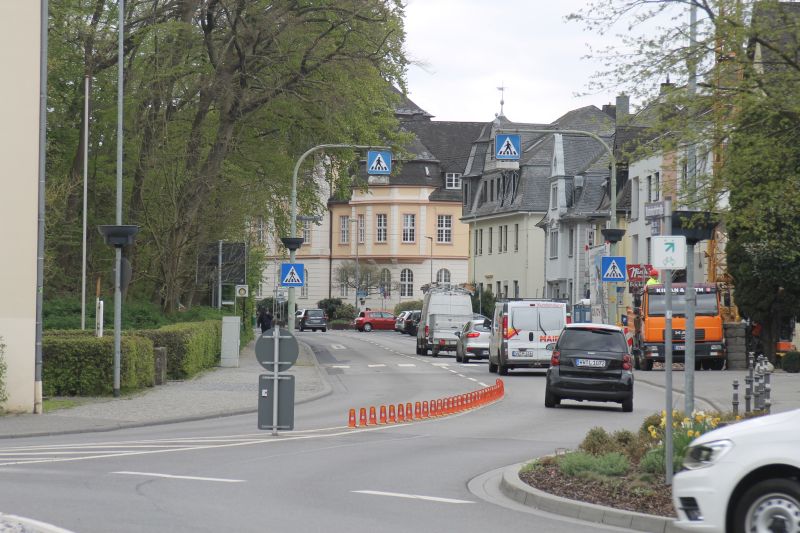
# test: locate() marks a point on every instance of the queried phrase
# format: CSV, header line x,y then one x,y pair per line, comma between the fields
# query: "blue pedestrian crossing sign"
x,y
507,147
613,268
293,275
379,162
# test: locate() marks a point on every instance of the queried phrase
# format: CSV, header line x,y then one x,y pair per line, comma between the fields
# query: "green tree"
x,y
483,302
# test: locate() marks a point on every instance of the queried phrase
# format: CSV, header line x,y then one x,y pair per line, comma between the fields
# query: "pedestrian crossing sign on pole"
x,y
292,275
507,147
613,268
379,162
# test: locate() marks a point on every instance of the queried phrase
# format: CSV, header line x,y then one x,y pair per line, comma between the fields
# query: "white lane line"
x,y
483,384
472,379
338,347
453,371
376,366
441,364
406,364
461,375
411,496
192,478
340,366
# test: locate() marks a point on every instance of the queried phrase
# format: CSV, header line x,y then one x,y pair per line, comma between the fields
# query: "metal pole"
x,y
276,331
85,194
37,386
118,249
219,275
691,304
668,346
293,211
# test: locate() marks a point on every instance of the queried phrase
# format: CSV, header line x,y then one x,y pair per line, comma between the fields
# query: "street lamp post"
x,y
293,209
431,257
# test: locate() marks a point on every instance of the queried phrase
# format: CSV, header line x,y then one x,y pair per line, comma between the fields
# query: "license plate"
x,y
679,347
522,353
593,363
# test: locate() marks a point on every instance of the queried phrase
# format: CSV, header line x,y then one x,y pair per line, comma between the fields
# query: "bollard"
x,y
767,392
373,420
418,410
352,419
383,414
401,415
735,397
425,412
409,412
392,417
748,393
362,417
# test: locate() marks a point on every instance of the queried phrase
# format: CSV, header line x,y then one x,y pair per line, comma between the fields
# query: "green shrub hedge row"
x,y
82,365
191,347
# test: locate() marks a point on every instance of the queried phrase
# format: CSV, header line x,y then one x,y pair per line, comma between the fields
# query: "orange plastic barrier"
x,y
425,411
362,418
373,421
352,421
418,410
383,414
401,416
392,416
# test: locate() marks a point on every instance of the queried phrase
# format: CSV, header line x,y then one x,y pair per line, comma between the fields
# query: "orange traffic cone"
x,y
383,414
392,418
352,422
425,412
409,412
372,418
418,410
401,413
362,418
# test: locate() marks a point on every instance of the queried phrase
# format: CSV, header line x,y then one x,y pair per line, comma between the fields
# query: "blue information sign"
x,y
613,268
379,162
506,147
293,275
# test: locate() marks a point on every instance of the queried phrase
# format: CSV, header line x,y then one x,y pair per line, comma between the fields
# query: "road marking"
x,y
192,478
406,364
453,371
441,364
483,384
461,375
376,366
411,496
472,379
338,347
340,366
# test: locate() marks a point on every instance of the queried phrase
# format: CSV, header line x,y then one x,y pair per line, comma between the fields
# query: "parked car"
x,y
473,341
521,331
369,320
742,477
313,319
412,323
400,322
444,310
298,314
590,362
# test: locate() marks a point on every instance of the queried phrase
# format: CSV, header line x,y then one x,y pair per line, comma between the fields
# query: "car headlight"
x,y
703,455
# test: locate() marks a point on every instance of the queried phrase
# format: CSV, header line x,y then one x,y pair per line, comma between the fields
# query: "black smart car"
x,y
313,319
590,362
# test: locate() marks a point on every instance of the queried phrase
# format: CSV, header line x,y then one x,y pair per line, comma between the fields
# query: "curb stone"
x,y
19,524
516,489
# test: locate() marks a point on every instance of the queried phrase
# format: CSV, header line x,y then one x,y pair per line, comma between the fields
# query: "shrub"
x,y
791,362
597,442
83,365
345,312
653,461
330,306
582,463
340,324
411,305
575,463
612,464
191,347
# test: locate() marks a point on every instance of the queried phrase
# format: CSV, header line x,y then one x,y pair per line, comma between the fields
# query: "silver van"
x,y
521,331
445,310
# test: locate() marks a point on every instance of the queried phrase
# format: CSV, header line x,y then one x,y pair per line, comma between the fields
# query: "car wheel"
x,y
550,399
718,364
492,367
502,369
636,365
465,359
770,505
435,351
324,330
627,405
699,365
367,327
459,359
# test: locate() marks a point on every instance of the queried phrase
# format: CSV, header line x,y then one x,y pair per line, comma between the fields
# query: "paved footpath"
x,y
216,392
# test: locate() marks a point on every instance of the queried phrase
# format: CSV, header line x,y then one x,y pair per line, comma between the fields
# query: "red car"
x,y
369,320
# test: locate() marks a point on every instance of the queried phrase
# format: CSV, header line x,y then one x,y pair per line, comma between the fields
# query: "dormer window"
x,y
554,197
427,171
453,180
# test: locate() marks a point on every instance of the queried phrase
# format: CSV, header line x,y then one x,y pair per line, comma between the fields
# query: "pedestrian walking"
x,y
264,320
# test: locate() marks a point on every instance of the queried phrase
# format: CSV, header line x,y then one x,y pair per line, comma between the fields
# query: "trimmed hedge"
x,y
83,365
340,324
191,347
791,362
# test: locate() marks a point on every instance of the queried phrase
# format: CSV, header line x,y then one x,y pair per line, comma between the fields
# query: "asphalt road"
x,y
226,475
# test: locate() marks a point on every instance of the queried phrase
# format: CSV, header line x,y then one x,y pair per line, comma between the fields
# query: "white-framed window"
x,y
491,238
443,276
453,180
476,243
571,242
409,227
381,225
516,237
480,242
344,229
362,229
444,228
635,198
554,196
516,288
261,231
590,237
553,244
304,288
505,238
653,187
465,192
406,282
307,231
344,289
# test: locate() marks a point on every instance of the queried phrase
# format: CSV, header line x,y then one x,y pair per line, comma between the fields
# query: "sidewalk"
x,y
216,392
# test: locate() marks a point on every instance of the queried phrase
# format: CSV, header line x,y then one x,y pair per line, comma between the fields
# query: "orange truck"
x,y
650,323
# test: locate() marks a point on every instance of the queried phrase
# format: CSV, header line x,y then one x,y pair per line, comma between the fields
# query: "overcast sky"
x,y
471,47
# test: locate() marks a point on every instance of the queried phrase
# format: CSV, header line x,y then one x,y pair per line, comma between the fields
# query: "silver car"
x,y
473,341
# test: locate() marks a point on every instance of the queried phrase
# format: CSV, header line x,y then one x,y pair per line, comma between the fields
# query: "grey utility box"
x,y
230,341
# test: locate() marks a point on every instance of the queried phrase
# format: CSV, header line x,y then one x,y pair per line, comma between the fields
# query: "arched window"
x,y
386,282
406,282
304,288
443,276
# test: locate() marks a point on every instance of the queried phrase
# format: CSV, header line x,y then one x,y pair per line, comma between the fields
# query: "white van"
x,y
445,310
521,331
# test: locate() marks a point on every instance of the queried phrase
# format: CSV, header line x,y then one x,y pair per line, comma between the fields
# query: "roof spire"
x,y
502,89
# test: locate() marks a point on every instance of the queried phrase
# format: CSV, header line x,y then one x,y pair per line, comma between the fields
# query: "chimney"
x,y
623,107
665,87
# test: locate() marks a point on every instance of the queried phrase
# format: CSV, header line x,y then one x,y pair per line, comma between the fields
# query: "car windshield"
x,y
315,312
592,339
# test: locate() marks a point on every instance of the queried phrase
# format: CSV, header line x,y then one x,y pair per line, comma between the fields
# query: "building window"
x,y
444,228
443,276
491,237
505,289
409,228
590,237
491,190
344,229
505,238
554,197
635,248
386,282
406,282
635,198
499,294
653,187
475,249
344,290
304,288
516,289
307,231
381,227
465,193
571,242
362,229
553,244
480,242
453,180
516,237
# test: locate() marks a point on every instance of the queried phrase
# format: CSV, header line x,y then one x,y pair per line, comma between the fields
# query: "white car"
x,y
744,477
